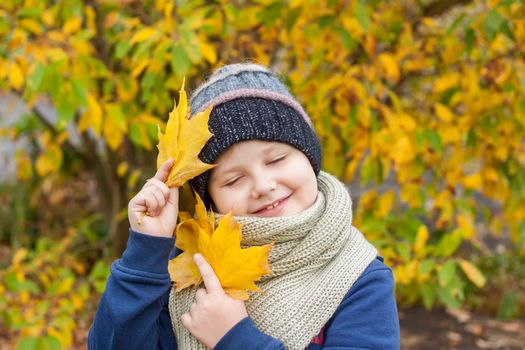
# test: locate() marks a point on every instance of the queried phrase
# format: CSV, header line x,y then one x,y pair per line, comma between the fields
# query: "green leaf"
x,y
420,138
48,343
180,61
122,48
352,117
135,135
505,29
426,266
79,92
326,21
348,41
445,296
492,23
29,12
509,306
361,13
470,38
65,110
27,343
449,243
372,224
434,140
521,238
493,20
161,50
35,79
404,249
369,170
428,294
270,13
446,273
291,18
471,138
455,23
11,282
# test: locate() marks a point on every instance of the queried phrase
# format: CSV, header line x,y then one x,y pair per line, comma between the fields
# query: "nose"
x,y
262,185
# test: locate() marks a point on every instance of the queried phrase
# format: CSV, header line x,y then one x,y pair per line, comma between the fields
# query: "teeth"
x,y
272,206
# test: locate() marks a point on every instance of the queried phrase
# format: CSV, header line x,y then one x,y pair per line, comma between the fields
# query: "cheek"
x,y
308,187
226,200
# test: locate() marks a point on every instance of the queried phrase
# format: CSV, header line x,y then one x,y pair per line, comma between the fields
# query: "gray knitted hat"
x,y
250,103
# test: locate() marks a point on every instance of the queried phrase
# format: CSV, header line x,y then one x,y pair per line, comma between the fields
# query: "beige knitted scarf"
x,y
317,256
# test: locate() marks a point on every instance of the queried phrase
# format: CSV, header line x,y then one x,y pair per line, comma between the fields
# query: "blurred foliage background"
x,y
419,104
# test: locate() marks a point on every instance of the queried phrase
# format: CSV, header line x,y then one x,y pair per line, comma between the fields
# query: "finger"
x,y
159,185
200,295
151,203
162,188
164,170
193,310
161,201
185,319
212,283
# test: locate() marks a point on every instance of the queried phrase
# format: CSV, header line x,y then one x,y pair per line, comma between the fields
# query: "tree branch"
x,y
438,7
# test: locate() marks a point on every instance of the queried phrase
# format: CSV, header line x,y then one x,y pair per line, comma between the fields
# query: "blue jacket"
x,y
133,311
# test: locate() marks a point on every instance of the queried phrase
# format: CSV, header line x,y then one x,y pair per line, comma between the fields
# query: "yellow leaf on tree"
x,y
472,273
183,140
237,269
72,25
24,169
92,117
421,240
208,51
114,125
168,16
390,67
31,25
385,205
142,35
473,181
443,112
49,160
16,76
445,82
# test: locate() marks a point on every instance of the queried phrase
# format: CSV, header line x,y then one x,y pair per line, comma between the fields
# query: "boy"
x,y
328,289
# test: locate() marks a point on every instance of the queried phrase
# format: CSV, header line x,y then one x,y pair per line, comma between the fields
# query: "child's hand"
x,y
214,312
155,208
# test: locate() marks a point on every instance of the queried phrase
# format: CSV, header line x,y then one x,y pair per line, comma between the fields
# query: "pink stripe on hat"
x,y
231,95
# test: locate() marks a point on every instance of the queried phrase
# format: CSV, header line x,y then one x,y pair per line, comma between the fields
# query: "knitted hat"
x,y
250,103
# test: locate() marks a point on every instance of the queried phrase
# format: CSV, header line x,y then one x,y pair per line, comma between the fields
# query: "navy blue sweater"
x,y
133,311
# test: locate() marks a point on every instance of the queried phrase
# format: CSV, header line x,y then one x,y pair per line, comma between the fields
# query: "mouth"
x,y
273,208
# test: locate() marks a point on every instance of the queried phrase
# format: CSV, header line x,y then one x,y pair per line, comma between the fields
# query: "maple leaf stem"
x,y
139,221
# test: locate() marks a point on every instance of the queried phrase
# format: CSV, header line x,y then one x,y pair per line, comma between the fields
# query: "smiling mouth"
x,y
270,208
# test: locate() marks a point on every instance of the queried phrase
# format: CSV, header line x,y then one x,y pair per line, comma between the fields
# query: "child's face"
x,y
261,178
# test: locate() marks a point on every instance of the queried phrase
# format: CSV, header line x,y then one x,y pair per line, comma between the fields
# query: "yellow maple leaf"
x,y
237,269
183,140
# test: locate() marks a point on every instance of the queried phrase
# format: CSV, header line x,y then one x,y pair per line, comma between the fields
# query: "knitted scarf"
x,y
317,256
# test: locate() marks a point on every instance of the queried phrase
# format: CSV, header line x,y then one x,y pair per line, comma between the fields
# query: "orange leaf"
x,y
183,140
237,269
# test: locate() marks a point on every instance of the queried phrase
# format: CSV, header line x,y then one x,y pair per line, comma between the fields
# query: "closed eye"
x,y
232,181
277,160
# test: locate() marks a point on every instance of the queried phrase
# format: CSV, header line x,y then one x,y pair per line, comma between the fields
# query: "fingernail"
x,y
197,257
